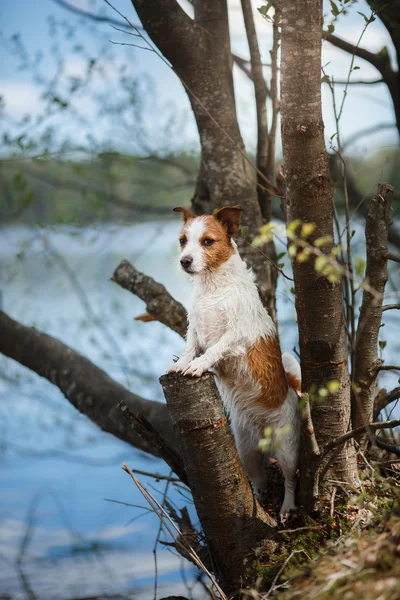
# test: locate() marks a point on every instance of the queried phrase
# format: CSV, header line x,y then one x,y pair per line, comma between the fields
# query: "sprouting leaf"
x,y
331,28
382,344
334,9
366,19
333,386
302,257
280,255
244,231
360,266
320,263
307,230
292,292
356,68
291,228
322,241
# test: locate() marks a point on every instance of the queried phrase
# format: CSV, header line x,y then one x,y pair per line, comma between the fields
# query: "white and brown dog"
x,y
231,334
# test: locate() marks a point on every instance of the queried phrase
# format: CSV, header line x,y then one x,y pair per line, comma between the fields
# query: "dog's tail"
x,y
293,372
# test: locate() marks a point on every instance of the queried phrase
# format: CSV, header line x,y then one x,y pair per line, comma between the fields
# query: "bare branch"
x,y
390,307
358,82
356,432
87,387
389,367
388,447
260,89
159,303
383,400
378,60
393,257
274,92
93,17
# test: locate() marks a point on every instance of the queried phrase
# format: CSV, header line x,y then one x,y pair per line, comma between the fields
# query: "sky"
x,y
161,118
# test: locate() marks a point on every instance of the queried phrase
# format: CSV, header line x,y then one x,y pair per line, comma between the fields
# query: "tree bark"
x,y
159,303
199,51
87,387
232,520
366,359
309,198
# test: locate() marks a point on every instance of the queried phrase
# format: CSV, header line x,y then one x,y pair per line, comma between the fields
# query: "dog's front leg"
x,y
227,345
189,353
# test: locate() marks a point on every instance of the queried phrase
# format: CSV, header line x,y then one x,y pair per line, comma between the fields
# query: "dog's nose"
x,y
186,261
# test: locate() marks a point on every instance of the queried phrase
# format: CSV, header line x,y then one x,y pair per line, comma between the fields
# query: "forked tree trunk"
x,y
309,198
199,51
232,520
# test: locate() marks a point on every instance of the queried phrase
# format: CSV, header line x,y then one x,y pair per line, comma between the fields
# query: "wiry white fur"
x,y
227,318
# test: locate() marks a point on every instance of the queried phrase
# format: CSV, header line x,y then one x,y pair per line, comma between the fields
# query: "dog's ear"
x,y
229,216
187,214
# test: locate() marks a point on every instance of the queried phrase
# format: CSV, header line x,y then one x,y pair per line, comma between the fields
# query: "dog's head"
x,y
206,241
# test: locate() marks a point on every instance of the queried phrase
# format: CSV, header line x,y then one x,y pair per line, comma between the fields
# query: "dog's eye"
x,y
208,242
182,241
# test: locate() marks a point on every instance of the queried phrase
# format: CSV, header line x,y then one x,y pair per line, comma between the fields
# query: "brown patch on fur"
x,y
264,360
294,382
187,214
221,249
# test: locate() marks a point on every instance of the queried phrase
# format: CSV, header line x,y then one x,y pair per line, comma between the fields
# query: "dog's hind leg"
x,y
252,458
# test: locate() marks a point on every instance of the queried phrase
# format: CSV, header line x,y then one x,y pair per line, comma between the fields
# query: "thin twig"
x,y
283,567
168,523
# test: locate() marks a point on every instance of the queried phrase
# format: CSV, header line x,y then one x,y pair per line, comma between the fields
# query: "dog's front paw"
x,y
196,367
179,366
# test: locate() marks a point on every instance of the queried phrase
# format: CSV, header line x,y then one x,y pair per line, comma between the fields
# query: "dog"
x,y
232,334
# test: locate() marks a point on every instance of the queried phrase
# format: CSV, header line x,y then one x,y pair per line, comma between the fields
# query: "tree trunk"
x,y
309,198
232,520
367,361
200,54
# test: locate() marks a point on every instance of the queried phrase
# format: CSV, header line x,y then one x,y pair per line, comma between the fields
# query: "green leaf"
x,y
356,68
364,16
244,231
334,9
382,344
281,255
331,28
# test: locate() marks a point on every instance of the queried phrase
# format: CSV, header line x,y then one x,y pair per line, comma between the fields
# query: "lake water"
x,y
60,536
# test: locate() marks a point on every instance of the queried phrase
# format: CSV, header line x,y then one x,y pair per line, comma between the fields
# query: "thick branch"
x,y
177,36
232,520
393,257
388,447
381,401
159,303
356,432
366,359
379,60
87,387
